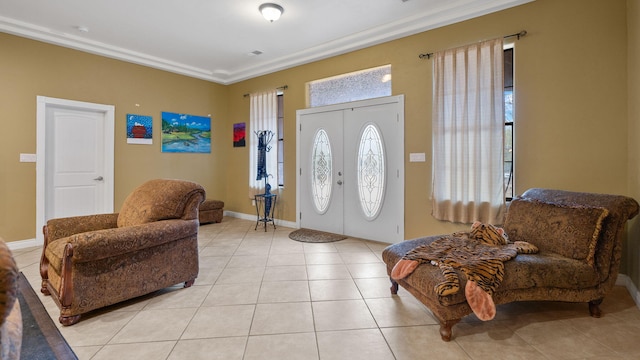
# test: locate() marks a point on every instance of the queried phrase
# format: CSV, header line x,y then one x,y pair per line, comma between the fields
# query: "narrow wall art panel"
x,y
239,134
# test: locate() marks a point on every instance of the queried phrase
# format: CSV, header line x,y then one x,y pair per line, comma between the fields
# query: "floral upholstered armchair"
x,y
10,312
89,262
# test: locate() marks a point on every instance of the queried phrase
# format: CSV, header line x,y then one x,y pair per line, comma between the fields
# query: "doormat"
x,y
41,339
314,236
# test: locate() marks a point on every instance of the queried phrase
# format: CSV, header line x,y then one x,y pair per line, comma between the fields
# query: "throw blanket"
x,y
483,266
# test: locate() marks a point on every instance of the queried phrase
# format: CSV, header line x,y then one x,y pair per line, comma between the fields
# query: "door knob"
x,y
339,182
99,178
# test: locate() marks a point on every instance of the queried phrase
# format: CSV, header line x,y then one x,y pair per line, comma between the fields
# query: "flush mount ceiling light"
x,y
271,11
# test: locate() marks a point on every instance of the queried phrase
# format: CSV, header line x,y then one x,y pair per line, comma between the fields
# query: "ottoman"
x,y
210,211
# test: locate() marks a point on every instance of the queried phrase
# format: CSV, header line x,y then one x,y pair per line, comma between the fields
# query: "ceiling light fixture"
x,y
271,11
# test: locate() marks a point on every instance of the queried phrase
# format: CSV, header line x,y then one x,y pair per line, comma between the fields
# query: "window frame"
x,y
280,136
509,149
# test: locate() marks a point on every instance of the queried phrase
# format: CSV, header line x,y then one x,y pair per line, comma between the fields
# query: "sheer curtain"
x,y
263,115
468,133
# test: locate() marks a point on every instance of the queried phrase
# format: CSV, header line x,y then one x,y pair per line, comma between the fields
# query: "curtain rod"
x,y
518,35
283,87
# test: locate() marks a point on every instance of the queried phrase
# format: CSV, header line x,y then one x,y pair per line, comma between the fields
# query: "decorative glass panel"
x,y
358,85
371,171
321,171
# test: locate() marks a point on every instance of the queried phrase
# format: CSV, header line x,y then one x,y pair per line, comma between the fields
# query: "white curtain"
x,y
468,134
263,115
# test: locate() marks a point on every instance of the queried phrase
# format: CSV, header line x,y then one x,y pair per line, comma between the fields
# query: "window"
x,y
280,139
371,171
321,168
468,133
358,85
508,124
263,119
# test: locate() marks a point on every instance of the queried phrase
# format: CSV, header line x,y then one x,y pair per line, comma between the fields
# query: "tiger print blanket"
x,y
482,264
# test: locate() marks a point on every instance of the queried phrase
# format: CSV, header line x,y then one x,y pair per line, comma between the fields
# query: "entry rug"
x,y
41,339
314,236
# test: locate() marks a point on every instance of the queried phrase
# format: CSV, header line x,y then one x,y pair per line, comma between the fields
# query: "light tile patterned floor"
x,y
260,295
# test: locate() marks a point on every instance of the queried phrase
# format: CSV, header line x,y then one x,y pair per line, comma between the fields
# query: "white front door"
x,y
351,169
321,172
374,184
74,159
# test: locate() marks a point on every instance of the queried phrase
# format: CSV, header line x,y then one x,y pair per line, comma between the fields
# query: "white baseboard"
x,y
625,281
252,217
22,244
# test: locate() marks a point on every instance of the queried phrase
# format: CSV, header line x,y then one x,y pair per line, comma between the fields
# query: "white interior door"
x,y
359,189
75,162
74,159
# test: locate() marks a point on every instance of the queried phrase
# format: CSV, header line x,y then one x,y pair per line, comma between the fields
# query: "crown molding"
x,y
449,14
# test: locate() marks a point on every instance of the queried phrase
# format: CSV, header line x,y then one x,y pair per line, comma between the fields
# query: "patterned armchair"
x,y
10,313
89,262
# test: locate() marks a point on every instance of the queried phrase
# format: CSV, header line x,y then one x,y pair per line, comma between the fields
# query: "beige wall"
x,y
575,118
631,256
30,68
570,107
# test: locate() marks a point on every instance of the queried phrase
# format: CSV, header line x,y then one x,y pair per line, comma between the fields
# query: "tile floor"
x,y
263,296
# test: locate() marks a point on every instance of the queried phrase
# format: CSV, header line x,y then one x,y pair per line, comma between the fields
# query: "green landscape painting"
x,y
183,133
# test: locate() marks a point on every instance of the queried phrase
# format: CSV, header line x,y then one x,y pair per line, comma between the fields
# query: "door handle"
x,y
99,178
339,182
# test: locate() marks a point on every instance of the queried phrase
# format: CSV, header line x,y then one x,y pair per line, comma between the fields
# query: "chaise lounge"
x,y
579,237
89,262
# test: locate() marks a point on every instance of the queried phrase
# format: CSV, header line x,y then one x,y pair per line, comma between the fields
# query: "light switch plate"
x,y
417,157
27,157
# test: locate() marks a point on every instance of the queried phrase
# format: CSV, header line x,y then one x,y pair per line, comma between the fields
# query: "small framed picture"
x,y
239,134
139,129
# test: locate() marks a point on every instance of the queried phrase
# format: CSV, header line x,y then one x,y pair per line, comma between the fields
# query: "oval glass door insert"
x,y
371,171
321,182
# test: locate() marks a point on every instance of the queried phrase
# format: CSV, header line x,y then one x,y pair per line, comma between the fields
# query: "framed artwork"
x,y
184,133
239,134
139,129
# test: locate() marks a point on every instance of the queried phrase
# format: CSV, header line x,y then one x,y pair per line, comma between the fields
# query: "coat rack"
x,y
265,203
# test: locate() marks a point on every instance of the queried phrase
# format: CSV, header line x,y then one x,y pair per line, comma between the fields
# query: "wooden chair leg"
x,y
69,320
394,287
44,263
445,329
594,308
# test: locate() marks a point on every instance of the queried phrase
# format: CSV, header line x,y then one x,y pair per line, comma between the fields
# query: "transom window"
x,y
358,85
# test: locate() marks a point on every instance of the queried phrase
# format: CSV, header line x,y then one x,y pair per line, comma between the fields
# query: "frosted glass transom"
x,y
358,85
371,171
321,182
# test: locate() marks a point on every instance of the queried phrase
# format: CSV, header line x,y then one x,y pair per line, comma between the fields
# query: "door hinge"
x,y
301,215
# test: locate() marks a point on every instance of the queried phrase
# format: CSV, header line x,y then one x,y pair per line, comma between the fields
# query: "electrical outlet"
x,y
253,202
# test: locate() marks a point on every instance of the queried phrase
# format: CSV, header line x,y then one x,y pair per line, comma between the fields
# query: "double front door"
x,y
351,169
